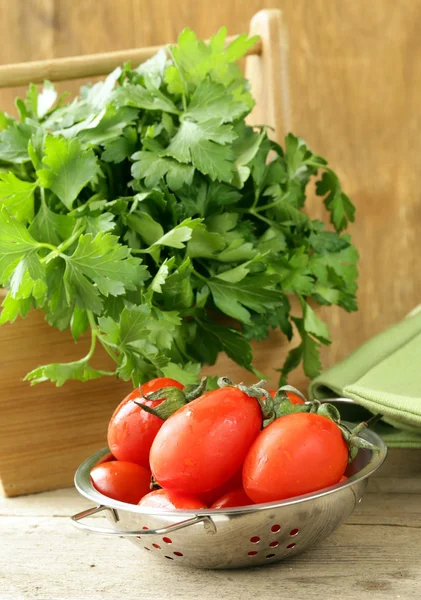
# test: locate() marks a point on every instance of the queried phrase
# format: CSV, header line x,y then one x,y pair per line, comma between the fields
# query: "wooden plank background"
x,y
355,75
371,556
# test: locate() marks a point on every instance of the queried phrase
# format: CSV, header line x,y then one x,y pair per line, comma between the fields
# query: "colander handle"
x,y
208,524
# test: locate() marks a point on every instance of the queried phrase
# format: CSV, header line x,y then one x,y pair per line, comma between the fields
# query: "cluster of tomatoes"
x,y
217,450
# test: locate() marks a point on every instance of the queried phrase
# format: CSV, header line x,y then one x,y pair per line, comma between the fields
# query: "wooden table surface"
x,y
375,554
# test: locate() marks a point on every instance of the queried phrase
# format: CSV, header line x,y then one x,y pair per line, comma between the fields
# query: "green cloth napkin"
x,y
383,376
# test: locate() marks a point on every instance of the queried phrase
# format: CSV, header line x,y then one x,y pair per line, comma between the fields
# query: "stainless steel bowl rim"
x,y
84,486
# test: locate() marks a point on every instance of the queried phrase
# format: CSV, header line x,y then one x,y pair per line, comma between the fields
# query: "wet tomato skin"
x,y
121,480
170,500
296,454
132,430
204,443
237,497
213,495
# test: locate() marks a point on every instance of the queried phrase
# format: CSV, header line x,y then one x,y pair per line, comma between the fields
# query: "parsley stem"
x,y
199,275
58,250
256,200
267,221
183,80
103,343
107,349
271,204
49,247
317,165
202,264
65,245
139,250
94,334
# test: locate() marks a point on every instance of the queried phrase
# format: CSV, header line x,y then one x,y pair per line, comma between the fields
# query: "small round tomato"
x,y
294,398
132,430
296,454
205,442
170,500
343,478
237,497
232,484
120,480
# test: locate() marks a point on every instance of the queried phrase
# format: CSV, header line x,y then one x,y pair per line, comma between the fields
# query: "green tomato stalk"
x,y
272,408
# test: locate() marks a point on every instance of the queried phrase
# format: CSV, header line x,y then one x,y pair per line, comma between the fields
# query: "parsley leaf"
x,y
101,260
253,293
59,373
16,244
51,227
139,97
17,196
189,373
211,101
14,142
337,203
153,168
132,338
229,340
204,144
119,148
177,290
208,219
68,168
28,279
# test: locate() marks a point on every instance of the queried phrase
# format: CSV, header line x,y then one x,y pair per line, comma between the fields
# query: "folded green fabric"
x,y
383,376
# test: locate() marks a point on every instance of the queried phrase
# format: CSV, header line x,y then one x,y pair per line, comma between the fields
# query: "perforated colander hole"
x,y
147,548
144,527
270,555
274,544
178,553
167,540
255,539
169,557
275,528
138,537
157,546
293,532
252,553
290,546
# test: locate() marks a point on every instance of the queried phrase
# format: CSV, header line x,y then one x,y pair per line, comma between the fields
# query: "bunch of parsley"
x,y
146,208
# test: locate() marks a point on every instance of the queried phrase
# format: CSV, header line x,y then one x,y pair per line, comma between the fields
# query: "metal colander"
x,y
236,537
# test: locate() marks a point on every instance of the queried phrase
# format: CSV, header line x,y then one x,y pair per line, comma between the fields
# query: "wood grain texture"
x,y
44,557
48,431
77,67
355,78
355,83
268,74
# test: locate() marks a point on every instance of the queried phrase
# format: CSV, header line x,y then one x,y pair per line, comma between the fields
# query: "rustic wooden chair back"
x,y
266,68
48,431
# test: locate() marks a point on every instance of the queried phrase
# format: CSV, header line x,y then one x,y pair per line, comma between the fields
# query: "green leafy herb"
x,y
68,168
145,212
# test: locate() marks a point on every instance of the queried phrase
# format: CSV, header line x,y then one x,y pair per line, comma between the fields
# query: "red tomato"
x,y
294,398
132,430
343,478
237,497
121,480
168,499
294,455
205,442
212,495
